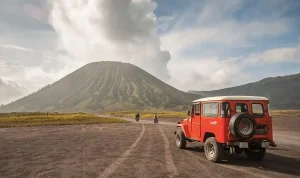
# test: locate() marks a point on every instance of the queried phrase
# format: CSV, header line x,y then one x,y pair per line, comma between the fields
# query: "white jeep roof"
x,y
216,98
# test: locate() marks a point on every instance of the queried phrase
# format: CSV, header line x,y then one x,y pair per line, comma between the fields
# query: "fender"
x,y
178,124
184,128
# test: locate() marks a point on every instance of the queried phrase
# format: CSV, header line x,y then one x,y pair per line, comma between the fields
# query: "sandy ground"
x,y
135,150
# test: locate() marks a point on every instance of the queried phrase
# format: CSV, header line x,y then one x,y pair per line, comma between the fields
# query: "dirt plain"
x,y
140,149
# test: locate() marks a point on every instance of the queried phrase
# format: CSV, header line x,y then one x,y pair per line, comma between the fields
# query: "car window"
x,y
241,107
210,109
197,109
193,109
257,110
225,109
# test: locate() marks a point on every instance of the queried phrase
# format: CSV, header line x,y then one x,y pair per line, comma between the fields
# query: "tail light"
x,y
269,110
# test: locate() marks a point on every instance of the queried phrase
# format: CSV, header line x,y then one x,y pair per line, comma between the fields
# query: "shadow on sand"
x,y
271,162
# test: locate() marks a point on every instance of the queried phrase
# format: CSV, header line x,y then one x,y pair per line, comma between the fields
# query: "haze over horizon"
x,y
218,44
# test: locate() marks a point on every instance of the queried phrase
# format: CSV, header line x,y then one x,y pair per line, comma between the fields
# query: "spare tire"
x,y
242,125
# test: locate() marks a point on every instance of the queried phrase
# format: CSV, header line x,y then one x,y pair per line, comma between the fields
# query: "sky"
x,y
190,44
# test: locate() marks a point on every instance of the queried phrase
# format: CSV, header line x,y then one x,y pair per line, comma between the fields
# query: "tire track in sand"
x,y
229,166
168,154
113,167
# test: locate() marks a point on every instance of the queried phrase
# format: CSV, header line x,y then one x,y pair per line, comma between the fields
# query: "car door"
x,y
196,122
210,121
259,112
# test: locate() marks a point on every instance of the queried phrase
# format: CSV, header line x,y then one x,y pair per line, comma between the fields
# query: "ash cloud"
x,y
111,30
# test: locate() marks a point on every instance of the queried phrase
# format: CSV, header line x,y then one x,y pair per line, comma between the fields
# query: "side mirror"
x,y
189,113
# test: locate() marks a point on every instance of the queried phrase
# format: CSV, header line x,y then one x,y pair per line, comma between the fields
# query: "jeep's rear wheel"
x,y
180,139
256,155
214,151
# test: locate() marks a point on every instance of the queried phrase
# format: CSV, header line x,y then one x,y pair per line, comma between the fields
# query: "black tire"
x,y
256,155
214,151
180,139
234,125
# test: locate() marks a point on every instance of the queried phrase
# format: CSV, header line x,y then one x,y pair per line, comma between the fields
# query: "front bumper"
x,y
261,144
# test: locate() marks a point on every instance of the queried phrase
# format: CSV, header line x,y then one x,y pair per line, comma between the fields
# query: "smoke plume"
x,y
111,30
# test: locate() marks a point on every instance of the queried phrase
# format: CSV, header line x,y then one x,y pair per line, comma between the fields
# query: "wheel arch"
x,y
207,135
184,128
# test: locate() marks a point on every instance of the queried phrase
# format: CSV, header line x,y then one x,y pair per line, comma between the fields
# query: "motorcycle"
x,y
137,119
155,120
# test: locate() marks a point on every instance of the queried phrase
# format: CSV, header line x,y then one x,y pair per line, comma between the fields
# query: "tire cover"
x,y
235,123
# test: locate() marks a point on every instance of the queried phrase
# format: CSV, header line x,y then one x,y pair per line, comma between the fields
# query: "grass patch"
x,y
149,114
285,112
40,119
177,114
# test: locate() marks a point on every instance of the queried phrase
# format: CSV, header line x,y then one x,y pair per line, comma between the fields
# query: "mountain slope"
x,y
104,86
283,91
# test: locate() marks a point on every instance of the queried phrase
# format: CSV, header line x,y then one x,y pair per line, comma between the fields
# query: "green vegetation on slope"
x,y
104,86
282,91
39,119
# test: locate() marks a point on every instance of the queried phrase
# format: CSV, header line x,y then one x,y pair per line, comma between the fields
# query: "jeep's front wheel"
x,y
180,139
255,155
214,151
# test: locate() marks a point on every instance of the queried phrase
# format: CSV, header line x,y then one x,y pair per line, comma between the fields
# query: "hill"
x,y
283,91
103,86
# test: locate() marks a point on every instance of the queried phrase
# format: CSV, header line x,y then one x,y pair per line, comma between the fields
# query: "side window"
x,y
193,110
197,109
210,109
225,109
241,107
237,108
257,110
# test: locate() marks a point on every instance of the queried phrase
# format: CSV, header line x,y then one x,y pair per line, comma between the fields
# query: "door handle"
x,y
199,124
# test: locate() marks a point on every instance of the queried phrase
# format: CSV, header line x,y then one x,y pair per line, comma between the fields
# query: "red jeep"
x,y
230,124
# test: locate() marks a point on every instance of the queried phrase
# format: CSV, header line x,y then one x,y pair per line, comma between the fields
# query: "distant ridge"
x,y
104,86
283,91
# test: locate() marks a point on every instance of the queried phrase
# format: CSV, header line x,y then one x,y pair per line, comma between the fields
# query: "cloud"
x,y
213,73
10,46
226,34
206,73
111,30
22,80
164,23
276,55
10,71
37,11
216,11
10,91
211,44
